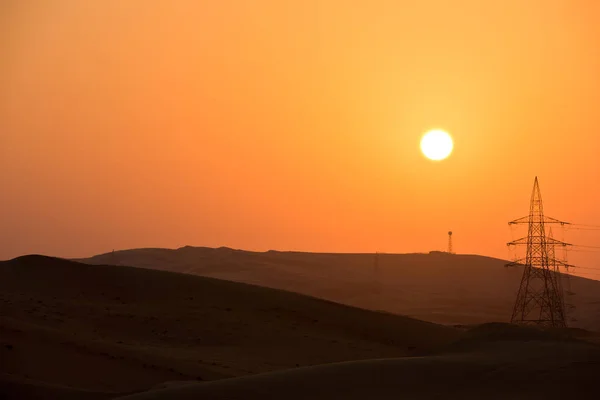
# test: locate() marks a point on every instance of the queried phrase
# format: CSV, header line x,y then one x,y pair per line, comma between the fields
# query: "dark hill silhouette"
x,y
437,287
493,361
71,329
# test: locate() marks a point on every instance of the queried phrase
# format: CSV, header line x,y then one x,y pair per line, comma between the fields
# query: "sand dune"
x,y
22,388
76,329
526,366
437,287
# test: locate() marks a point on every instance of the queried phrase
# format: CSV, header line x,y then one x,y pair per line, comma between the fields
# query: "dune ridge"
x,y
451,289
135,328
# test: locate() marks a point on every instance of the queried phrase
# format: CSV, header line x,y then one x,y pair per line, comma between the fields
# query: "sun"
x,y
437,145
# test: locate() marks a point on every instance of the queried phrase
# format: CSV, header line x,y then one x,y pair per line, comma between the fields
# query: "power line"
x,y
587,247
584,276
586,225
582,229
590,268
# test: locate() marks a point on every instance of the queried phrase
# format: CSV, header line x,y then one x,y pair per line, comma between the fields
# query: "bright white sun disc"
x,y
437,145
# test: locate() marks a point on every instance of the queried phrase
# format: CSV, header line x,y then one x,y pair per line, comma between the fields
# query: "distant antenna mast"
x,y
450,243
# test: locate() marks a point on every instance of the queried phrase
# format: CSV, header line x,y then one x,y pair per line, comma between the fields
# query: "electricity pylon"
x,y
554,264
540,298
564,281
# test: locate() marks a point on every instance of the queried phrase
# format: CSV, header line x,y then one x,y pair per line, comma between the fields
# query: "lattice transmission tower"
x,y
554,266
563,277
540,299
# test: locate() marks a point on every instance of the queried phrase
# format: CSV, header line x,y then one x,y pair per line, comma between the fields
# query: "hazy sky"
x,y
270,124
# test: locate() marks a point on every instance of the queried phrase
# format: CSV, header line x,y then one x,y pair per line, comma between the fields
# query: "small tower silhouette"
x,y
450,243
539,300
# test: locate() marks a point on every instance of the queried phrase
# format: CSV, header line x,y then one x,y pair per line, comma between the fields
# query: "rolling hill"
x,y
437,287
72,330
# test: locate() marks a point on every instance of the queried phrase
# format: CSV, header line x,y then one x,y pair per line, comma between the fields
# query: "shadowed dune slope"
x,y
20,388
437,287
113,329
528,365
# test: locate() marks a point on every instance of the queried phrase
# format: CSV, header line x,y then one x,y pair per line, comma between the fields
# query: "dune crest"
x,y
135,328
450,289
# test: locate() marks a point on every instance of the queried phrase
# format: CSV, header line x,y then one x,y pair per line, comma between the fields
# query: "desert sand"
x,y
443,288
524,368
71,330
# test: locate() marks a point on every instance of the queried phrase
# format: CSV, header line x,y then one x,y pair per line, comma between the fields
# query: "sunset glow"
x,y
293,124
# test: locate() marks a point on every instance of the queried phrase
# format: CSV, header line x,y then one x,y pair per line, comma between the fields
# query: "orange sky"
x,y
294,124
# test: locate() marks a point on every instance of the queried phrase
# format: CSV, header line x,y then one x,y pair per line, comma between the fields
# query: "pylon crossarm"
x,y
518,241
549,241
564,264
547,220
554,242
522,220
550,220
